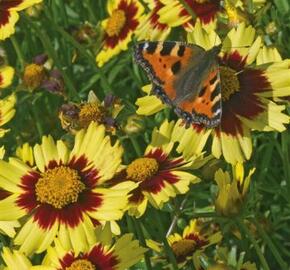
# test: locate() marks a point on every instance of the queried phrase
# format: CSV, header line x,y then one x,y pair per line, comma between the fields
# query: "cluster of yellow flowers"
x,y
66,203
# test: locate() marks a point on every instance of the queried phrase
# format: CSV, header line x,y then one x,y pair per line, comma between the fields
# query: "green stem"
x,y
37,120
285,157
18,51
136,146
130,224
162,233
143,243
246,231
63,12
51,52
188,9
177,214
92,14
271,246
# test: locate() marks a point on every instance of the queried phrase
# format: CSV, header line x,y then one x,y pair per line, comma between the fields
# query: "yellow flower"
x,y
6,76
64,193
121,255
7,112
74,117
119,27
150,28
196,237
175,14
242,82
159,176
9,15
232,193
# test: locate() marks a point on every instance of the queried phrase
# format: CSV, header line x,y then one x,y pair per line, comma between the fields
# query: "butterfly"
x,y
185,77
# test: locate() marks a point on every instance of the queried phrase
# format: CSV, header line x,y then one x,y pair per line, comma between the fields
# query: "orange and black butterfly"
x,y
186,77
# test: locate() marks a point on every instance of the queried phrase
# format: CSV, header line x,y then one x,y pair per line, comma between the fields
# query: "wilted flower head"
x,y
33,76
54,83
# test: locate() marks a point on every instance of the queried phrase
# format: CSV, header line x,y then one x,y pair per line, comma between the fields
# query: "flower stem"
x,y
136,146
143,243
37,121
166,246
271,246
91,13
63,12
285,157
246,231
18,51
175,218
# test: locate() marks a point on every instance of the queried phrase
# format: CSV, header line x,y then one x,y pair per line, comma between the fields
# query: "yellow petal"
x,y
6,74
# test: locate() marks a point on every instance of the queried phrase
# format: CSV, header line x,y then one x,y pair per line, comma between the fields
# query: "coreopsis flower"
x,y
6,76
247,90
150,28
9,15
158,175
196,237
64,193
232,192
121,255
7,112
76,116
124,18
175,14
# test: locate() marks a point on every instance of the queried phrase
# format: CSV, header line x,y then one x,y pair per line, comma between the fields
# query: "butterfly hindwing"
x,y
184,76
206,107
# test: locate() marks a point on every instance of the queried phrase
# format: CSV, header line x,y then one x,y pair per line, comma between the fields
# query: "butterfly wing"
x,y
182,75
164,62
206,107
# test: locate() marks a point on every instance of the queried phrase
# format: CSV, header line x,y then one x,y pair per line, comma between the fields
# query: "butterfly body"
x,y
184,76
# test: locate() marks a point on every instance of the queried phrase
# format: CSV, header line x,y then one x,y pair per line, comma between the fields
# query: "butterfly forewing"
x,y
164,61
